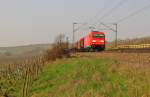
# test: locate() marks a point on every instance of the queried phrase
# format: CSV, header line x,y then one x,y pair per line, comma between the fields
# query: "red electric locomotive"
x,y
95,40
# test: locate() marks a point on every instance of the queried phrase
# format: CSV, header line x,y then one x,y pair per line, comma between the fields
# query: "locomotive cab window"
x,y
98,36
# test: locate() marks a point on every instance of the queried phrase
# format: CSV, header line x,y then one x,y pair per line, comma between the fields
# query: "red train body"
x,y
93,41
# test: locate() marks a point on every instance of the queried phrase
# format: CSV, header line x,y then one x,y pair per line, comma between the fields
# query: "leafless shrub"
x,y
58,50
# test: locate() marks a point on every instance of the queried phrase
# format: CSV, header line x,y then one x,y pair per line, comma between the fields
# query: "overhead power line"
x,y
108,27
85,23
82,25
102,9
134,13
119,4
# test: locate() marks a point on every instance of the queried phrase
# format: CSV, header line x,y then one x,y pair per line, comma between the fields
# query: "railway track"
x,y
141,48
129,50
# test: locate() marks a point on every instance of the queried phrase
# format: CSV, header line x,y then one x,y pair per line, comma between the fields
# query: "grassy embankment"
x,y
91,77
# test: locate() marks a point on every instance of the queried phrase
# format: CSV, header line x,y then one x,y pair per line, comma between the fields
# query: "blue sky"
x,y
25,22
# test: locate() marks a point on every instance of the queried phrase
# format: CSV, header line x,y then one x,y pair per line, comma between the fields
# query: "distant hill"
x,y
18,50
18,53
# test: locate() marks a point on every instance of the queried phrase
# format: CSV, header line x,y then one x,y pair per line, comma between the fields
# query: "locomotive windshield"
x,y
98,36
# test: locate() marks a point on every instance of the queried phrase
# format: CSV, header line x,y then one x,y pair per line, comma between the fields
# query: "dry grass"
x,y
96,75
134,58
133,67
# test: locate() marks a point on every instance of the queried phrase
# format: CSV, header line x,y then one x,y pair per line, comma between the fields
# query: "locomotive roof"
x,y
97,32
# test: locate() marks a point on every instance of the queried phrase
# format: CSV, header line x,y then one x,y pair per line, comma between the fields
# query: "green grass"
x,y
90,77
87,77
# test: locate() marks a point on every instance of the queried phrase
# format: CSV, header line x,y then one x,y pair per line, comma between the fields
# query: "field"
x,y
37,72
95,75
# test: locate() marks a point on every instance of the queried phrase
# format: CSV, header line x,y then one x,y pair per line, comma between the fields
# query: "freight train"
x,y
94,41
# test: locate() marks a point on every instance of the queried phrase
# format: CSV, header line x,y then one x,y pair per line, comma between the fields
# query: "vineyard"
x,y
16,78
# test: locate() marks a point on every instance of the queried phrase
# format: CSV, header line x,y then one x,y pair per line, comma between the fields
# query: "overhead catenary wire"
x,y
86,23
119,4
100,11
82,25
134,13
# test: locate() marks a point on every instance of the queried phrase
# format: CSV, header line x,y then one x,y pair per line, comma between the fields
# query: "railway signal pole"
x,y
116,41
67,42
73,34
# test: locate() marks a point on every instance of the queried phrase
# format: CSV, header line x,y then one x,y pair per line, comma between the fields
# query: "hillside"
x,y
9,54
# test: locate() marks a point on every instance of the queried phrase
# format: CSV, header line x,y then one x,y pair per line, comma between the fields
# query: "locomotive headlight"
x,y
93,40
102,41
